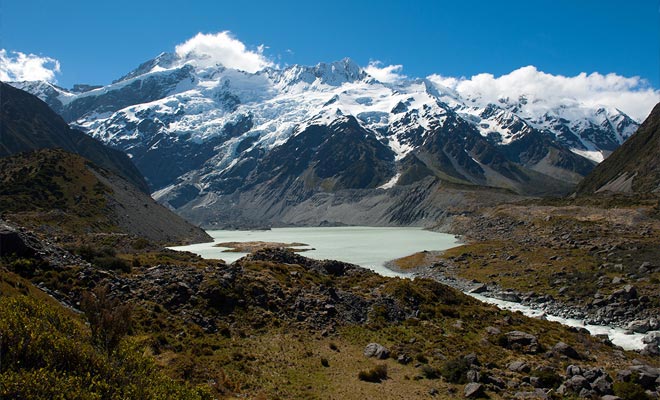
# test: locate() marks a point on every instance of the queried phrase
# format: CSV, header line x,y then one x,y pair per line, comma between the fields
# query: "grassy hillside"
x,y
28,124
64,195
47,353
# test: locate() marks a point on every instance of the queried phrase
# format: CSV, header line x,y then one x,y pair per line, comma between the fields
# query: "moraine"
x,y
372,248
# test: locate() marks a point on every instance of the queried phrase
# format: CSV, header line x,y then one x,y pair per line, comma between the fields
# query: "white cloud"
x,y
221,48
386,74
17,66
634,96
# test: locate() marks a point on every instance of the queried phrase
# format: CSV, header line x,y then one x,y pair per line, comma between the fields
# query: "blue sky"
x,y
98,41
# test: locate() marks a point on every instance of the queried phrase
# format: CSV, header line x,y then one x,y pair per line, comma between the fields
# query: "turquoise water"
x,y
369,247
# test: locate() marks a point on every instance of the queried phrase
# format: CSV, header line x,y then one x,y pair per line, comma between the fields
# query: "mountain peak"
x,y
333,74
162,61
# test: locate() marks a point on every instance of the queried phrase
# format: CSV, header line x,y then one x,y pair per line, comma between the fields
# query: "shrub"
x,y
630,391
324,362
420,357
109,319
23,266
140,244
455,371
375,375
429,372
548,379
47,354
112,263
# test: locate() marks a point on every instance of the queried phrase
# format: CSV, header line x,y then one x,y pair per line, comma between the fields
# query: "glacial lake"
x,y
370,247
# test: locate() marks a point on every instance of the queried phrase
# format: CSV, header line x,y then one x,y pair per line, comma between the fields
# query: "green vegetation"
x,y
455,371
109,319
47,354
630,391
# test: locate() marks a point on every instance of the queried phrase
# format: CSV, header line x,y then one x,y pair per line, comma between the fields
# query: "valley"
x,y
195,230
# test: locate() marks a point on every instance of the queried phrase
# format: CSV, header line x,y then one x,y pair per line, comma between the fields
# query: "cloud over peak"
x,y
17,66
633,95
385,74
222,48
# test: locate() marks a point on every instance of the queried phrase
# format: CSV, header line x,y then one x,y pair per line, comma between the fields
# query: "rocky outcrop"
x,y
377,351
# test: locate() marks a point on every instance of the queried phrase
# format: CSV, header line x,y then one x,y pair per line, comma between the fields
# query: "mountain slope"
x,y
204,135
633,167
51,187
27,123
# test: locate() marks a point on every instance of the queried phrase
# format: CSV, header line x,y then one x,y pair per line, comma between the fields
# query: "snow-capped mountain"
x,y
201,133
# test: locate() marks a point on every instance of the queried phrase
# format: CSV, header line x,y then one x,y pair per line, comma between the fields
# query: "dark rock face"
x,y
11,243
28,124
340,156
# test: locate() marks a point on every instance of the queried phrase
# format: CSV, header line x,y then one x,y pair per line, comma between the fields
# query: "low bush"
x,y
547,379
630,391
430,372
108,318
455,371
375,375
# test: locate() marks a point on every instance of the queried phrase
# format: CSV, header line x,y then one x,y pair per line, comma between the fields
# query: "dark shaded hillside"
x,y
73,196
27,123
633,167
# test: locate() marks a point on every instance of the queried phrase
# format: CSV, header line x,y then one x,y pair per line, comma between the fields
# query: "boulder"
x,y
563,349
376,350
508,296
603,385
480,289
522,341
518,366
573,370
645,376
473,375
639,326
403,359
471,359
473,390
652,338
491,330
574,385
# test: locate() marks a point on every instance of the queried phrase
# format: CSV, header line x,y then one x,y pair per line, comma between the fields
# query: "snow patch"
x,y
593,155
390,184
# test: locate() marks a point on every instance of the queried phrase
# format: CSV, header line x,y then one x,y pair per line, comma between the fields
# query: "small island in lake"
x,y
249,247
